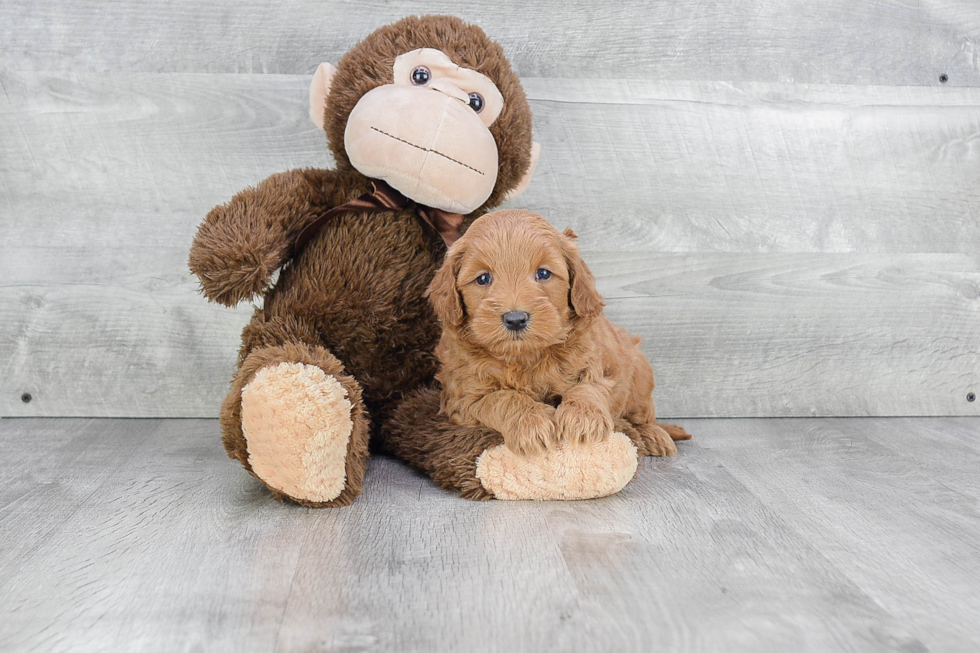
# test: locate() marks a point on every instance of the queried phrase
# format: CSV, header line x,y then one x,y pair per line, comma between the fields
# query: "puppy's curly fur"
x,y
565,376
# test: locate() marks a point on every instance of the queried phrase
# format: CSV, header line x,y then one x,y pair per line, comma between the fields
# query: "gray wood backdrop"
x,y
782,197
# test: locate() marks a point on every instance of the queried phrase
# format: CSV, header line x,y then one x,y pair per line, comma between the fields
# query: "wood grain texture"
x,y
802,334
728,334
757,167
835,41
135,159
106,176
883,500
147,557
762,535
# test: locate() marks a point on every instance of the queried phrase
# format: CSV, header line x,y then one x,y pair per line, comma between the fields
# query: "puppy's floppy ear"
x,y
583,297
442,292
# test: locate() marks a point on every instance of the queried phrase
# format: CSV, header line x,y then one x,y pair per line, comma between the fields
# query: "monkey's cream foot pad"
x,y
297,422
567,472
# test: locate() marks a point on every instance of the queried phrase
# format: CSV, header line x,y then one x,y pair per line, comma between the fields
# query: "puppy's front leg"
x,y
528,426
583,415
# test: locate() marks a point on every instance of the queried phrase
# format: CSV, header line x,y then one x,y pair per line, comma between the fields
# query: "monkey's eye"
x,y
476,102
421,76
542,274
484,279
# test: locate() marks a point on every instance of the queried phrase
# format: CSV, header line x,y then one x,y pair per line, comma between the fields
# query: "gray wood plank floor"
x,y
762,535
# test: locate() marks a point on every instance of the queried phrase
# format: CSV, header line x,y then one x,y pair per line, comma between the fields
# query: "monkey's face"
x,y
427,134
431,105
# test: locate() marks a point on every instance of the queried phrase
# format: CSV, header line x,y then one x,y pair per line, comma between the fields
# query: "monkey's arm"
x,y
240,244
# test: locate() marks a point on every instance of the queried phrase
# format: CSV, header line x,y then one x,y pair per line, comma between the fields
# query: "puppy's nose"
x,y
516,320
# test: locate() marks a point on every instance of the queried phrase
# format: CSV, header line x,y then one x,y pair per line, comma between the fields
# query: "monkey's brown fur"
x,y
420,436
352,302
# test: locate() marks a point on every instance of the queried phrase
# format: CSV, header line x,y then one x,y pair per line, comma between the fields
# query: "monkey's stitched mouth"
x,y
426,149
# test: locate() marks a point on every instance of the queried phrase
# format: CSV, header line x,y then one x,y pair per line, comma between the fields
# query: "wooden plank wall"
x,y
781,197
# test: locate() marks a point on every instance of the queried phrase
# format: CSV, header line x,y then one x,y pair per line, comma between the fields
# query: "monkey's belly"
x,y
360,282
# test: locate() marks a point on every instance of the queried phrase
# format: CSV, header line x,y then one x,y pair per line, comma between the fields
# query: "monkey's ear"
x,y
526,179
319,90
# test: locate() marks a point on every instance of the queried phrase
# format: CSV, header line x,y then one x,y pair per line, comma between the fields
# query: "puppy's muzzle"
x,y
516,320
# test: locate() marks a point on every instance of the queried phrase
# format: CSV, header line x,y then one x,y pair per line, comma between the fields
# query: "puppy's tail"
x,y
675,432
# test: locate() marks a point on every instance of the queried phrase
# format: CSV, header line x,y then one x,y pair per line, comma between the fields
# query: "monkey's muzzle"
x,y
428,145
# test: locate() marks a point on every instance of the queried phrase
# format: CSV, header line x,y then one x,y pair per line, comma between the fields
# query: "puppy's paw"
x,y
655,441
582,422
675,432
533,431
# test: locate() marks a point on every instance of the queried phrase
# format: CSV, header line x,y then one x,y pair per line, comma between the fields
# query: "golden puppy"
x,y
526,349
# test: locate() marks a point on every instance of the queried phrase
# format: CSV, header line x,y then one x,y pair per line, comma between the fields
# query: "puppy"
x,y
526,349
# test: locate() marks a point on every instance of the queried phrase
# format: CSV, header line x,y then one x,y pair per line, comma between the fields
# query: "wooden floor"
x,y
762,535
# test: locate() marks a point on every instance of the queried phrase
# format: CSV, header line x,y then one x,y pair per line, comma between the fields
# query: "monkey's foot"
x,y
296,420
566,472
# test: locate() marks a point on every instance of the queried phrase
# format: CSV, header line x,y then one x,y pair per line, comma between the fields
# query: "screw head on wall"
x,y
26,397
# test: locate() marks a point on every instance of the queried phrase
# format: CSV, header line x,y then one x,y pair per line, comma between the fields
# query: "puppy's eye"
x,y
476,102
421,76
484,279
542,274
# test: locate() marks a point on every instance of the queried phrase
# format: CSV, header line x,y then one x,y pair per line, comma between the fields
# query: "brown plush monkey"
x,y
430,128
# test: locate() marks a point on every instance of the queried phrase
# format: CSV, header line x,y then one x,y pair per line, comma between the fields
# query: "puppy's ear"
x,y
442,292
583,297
